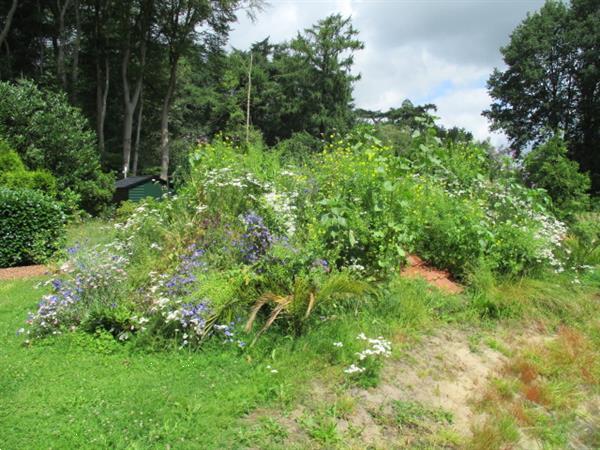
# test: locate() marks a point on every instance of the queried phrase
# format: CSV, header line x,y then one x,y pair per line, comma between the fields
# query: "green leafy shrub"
x,y
37,180
31,227
14,174
548,167
70,201
583,242
125,210
299,146
10,161
51,135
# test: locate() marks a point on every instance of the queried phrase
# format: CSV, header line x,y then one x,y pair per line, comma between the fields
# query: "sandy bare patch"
x,y
441,375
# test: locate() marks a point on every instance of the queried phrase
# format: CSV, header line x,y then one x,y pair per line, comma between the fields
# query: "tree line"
x,y
119,61
153,78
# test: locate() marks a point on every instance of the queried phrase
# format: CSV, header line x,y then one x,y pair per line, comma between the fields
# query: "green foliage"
x,y
125,211
547,86
51,135
299,146
326,54
583,242
316,294
70,201
38,180
548,167
14,174
301,86
252,236
32,227
9,159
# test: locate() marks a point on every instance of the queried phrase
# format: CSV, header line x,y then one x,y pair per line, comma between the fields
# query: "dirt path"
x,y
15,273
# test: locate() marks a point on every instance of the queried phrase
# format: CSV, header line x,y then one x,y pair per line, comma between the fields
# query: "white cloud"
x,y
462,108
408,72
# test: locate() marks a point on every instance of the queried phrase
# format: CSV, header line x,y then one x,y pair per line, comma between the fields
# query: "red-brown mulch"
x,y
417,268
15,273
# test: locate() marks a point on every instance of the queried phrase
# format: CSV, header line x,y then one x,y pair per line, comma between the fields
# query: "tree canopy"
x,y
552,82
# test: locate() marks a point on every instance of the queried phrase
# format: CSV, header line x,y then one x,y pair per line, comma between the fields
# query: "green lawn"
x,y
76,392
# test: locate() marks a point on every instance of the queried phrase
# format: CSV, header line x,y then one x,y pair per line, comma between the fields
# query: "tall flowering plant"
x,y
93,281
171,309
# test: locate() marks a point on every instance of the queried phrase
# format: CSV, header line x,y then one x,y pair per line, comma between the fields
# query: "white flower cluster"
x,y
378,348
354,369
225,177
265,193
284,208
551,233
505,203
140,214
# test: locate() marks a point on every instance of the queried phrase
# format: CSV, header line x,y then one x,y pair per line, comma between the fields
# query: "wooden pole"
x,y
248,101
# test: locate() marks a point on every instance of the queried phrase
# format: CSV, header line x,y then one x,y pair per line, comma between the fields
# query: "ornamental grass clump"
x,y
308,294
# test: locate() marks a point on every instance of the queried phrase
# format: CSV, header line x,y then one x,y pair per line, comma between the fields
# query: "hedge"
x,y
32,227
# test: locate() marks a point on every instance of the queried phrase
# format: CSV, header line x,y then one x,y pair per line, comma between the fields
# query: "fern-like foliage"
x,y
307,296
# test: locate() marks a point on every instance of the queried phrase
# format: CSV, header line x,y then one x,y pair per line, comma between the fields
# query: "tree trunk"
x,y
76,47
127,131
102,84
164,120
42,44
8,22
130,103
60,61
138,131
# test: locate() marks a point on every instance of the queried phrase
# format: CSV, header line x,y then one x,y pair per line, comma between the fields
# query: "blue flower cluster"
x,y
228,332
193,315
52,308
194,320
257,239
179,283
321,264
94,277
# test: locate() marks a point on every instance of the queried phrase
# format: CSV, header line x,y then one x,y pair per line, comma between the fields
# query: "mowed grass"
x,y
90,232
76,392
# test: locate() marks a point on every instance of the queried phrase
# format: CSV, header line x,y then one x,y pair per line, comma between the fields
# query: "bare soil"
x,y
15,273
442,279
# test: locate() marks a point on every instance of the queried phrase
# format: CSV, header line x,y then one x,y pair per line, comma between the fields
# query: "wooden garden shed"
x,y
139,187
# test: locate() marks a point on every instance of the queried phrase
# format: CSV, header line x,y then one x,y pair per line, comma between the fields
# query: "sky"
x,y
429,51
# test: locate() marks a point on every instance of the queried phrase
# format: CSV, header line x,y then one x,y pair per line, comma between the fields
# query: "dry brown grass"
x,y
535,393
551,375
523,369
